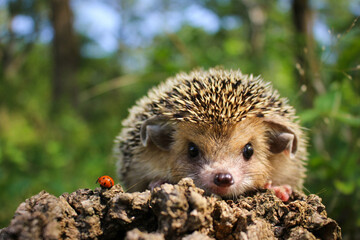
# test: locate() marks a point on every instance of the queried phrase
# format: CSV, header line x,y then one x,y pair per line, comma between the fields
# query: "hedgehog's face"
x,y
226,160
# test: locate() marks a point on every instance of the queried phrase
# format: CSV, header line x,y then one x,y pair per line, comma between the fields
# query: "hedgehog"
x,y
227,131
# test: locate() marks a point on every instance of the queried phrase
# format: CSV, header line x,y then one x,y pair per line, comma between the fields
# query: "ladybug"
x,y
105,181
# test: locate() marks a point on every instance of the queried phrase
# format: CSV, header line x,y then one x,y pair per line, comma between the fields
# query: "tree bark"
x,y
180,211
307,65
65,54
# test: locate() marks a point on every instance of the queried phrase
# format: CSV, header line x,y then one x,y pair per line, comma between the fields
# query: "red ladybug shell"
x,y
105,181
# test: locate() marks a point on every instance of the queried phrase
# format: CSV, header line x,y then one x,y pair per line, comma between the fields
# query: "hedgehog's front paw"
x,y
156,183
283,192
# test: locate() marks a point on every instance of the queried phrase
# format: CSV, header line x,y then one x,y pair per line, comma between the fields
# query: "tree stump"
x,y
180,211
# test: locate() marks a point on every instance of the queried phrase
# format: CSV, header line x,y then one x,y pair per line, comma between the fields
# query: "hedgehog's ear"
x,y
281,138
158,131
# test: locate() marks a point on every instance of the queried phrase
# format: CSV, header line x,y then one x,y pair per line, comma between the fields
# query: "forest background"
x,y
69,71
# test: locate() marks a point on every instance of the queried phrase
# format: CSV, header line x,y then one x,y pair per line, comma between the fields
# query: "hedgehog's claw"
x,y
283,192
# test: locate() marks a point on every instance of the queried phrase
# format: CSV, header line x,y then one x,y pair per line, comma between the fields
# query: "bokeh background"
x,y
69,70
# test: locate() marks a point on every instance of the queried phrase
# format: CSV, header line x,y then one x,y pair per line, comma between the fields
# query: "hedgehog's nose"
x,y
223,179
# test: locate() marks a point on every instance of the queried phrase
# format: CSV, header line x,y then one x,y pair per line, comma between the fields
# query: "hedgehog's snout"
x,y
223,179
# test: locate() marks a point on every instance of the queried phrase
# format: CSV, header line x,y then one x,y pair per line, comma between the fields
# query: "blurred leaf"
x,y
17,129
345,187
309,115
327,103
233,46
348,119
14,154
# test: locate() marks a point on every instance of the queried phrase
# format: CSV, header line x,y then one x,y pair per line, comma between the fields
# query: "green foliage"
x,y
68,150
334,124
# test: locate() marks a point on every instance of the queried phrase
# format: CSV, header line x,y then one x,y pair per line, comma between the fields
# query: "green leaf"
x,y
234,46
309,115
344,187
348,119
328,102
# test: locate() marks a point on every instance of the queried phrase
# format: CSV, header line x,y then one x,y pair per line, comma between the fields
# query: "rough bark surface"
x,y
179,211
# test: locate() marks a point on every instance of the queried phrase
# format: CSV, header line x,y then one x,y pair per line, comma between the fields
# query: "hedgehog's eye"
x,y
248,151
193,150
